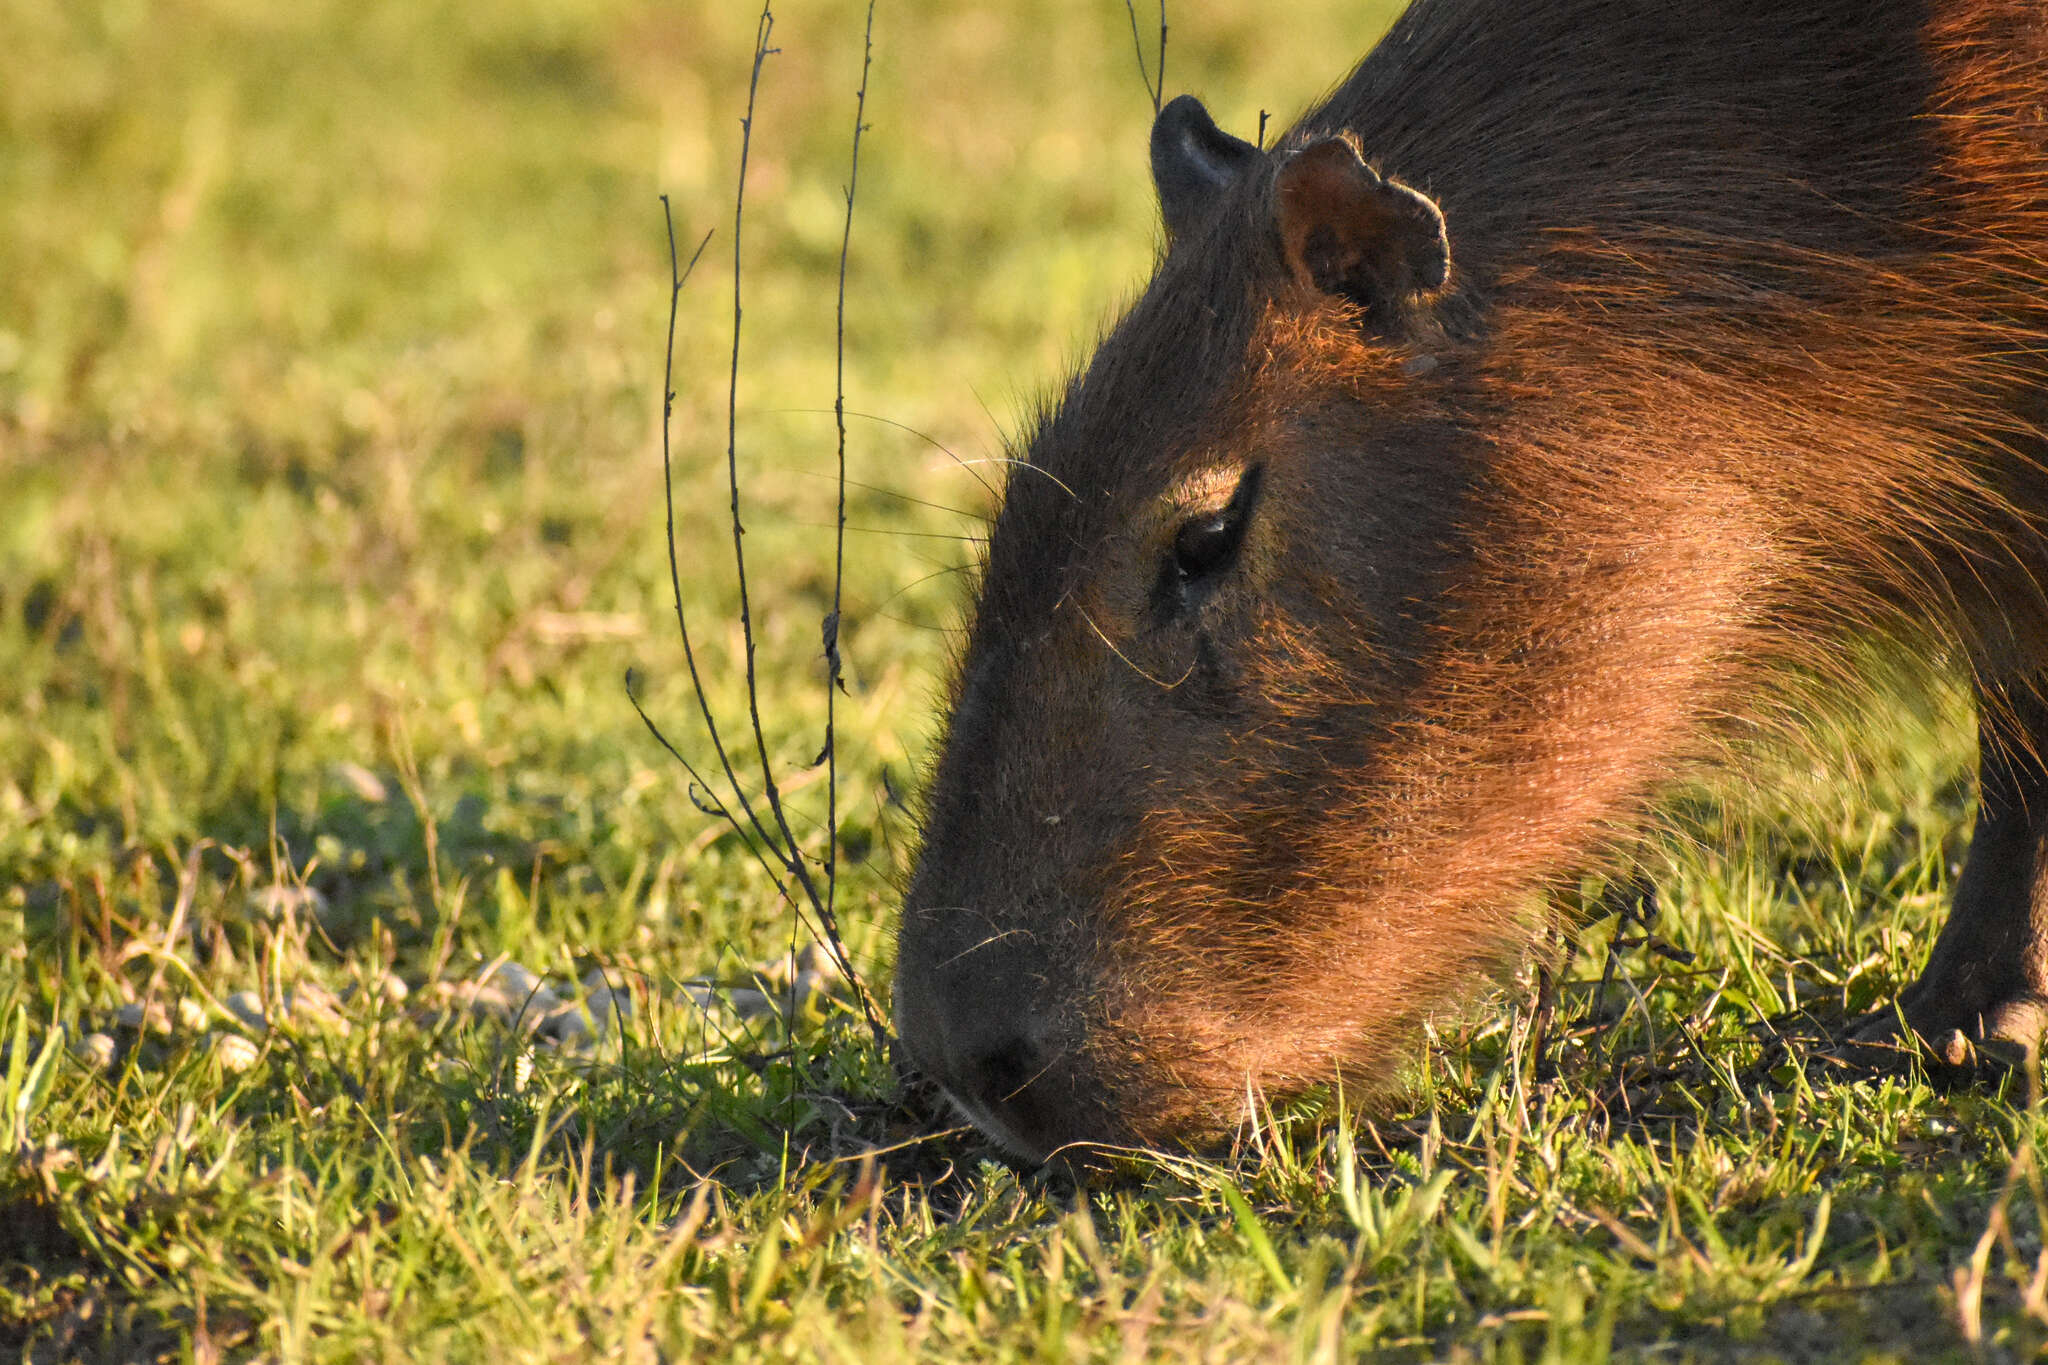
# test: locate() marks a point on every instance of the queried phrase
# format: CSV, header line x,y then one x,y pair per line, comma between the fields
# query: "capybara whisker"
x,y
990,941
1014,466
1160,683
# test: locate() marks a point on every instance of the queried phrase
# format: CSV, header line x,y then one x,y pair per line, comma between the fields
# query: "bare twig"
x,y
1155,79
701,794
1159,95
786,849
678,277
767,833
763,31
828,912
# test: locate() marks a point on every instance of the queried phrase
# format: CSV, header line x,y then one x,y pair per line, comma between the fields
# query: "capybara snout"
x,y
980,1015
1483,454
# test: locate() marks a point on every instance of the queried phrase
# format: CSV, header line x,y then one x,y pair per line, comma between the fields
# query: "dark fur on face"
x,y
1471,457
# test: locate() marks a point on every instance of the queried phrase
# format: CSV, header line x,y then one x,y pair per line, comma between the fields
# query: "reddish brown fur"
x,y
1740,354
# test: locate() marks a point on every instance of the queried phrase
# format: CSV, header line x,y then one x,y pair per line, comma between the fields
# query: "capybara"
x,y
1575,387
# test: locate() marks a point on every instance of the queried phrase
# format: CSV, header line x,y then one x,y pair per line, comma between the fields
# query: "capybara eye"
x,y
1208,545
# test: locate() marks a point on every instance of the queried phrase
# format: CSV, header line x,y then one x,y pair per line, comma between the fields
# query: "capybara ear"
x,y
1193,162
1347,231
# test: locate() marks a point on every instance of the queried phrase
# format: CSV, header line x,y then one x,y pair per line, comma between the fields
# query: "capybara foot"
x,y
1998,1034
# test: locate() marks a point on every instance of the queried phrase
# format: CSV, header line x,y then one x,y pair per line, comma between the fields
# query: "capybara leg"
x,y
1984,992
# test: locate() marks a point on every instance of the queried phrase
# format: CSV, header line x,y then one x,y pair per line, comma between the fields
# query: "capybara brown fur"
x,y
1481,455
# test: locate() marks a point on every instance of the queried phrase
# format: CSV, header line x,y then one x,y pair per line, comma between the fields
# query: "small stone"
x,y
583,1021
96,1050
191,1014
748,1003
235,1053
512,994
490,1002
247,1008
567,1026
531,1008
140,1018
608,1007
600,979
514,977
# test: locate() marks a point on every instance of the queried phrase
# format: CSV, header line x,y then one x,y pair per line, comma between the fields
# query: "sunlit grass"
x,y
329,528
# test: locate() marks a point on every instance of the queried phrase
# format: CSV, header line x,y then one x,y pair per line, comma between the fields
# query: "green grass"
x,y
329,526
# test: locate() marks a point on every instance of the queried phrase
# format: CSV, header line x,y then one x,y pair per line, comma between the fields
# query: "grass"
x,y
329,395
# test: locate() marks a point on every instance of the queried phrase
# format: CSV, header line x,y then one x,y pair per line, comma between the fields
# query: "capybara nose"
x,y
1002,1076
991,1052
994,1073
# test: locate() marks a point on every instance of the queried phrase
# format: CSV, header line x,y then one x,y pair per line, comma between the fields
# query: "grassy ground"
x,y
329,526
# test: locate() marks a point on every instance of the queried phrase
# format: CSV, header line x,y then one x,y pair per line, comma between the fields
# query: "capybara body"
x,y
1565,394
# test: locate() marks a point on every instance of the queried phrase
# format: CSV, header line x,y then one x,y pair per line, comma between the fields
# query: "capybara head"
x,y
1145,849
1283,687
1445,494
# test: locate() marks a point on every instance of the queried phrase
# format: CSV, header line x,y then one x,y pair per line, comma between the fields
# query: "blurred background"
x,y
330,354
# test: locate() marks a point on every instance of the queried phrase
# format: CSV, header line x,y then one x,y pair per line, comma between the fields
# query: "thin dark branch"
x,y
678,276
764,29
786,851
1159,95
703,796
777,845
1155,86
719,809
829,910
